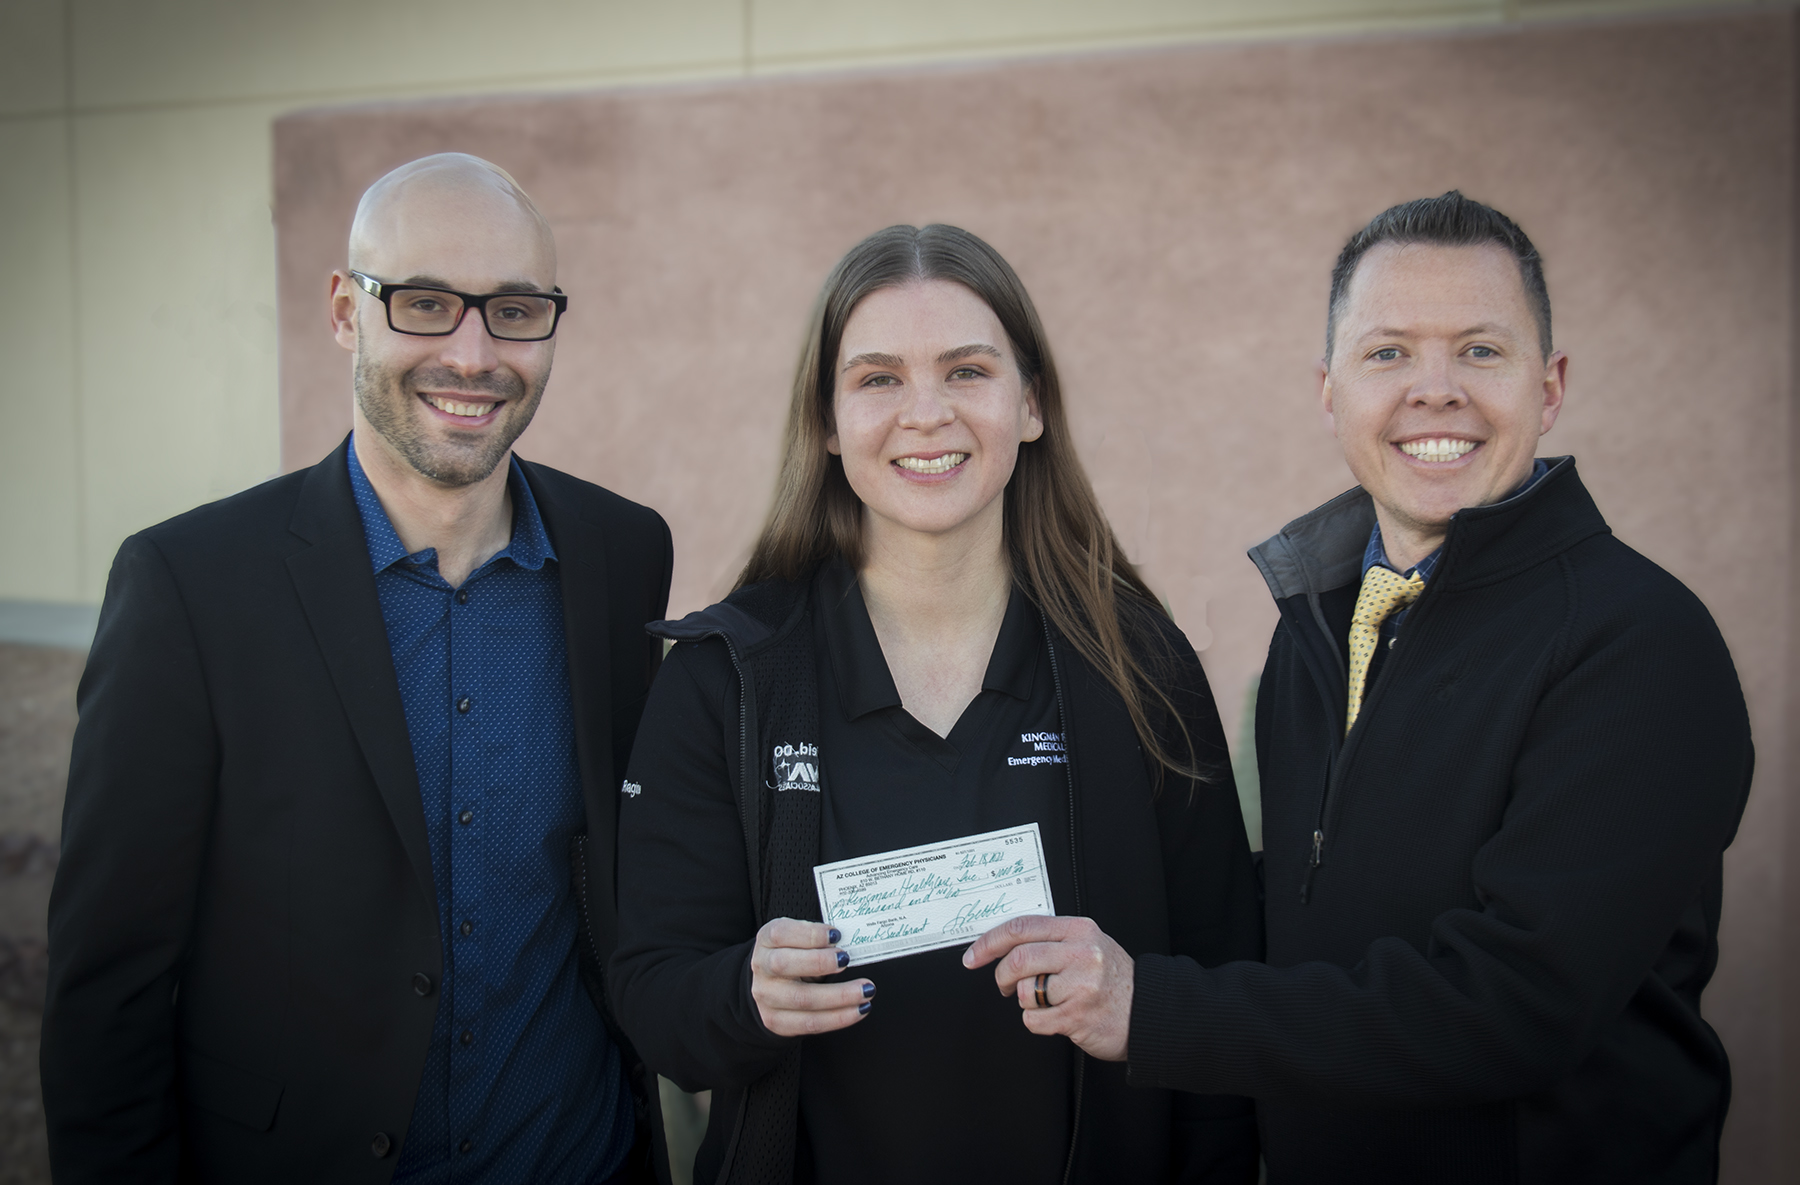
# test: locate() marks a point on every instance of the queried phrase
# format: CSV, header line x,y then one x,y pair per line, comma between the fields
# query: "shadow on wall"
x,y
37,722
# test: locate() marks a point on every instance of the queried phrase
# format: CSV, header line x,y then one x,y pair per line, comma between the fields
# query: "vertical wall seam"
x,y
1787,1005
77,376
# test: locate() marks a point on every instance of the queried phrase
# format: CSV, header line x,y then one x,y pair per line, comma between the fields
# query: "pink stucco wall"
x,y
1175,214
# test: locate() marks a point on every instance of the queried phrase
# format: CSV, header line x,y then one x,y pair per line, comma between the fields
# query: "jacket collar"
x,y
748,620
1320,550
1323,549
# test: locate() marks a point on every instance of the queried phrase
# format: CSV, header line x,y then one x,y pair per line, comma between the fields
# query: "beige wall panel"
x,y
788,32
31,56
1787,1039
40,534
183,51
1175,214
177,326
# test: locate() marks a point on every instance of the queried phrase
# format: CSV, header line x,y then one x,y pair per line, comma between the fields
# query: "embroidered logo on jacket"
x,y
797,767
631,789
1040,748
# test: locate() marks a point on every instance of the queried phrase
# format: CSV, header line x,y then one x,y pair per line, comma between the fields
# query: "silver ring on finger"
x,y
1043,989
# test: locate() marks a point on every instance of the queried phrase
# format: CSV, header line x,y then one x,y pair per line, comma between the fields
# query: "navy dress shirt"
x,y
521,1081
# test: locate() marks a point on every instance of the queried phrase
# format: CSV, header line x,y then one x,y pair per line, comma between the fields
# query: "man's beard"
x,y
383,397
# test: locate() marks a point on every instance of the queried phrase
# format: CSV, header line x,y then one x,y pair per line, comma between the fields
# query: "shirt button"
x,y
422,984
468,927
466,818
462,596
380,1145
463,704
467,1037
464,1146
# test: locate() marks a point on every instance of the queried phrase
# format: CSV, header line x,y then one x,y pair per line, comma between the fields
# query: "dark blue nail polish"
x,y
843,959
868,990
864,1007
833,936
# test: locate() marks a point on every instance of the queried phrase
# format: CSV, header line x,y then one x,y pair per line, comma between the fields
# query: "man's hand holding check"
x,y
1087,986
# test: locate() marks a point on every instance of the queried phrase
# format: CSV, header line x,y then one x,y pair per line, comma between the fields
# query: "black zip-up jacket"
x,y
1492,907
1164,872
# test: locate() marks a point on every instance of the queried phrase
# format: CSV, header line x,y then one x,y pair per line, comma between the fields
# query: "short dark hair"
x,y
1448,221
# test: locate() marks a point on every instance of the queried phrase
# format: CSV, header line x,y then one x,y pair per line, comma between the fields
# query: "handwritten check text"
x,y
935,895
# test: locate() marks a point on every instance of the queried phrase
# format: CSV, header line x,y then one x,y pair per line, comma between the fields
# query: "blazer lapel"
x,y
581,560
337,592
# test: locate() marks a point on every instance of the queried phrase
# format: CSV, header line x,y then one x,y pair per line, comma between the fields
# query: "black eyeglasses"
x,y
438,312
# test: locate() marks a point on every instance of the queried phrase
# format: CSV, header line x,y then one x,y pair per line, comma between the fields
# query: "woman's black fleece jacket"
x,y
1492,907
1165,873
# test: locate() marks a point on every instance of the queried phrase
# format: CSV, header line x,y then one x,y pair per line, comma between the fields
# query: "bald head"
x,y
454,219
444,407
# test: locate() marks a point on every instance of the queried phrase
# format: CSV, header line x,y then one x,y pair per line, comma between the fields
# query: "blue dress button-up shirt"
x,y
521,1081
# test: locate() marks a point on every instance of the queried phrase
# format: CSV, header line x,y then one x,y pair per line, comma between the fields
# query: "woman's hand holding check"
x,y
1088,984
788,960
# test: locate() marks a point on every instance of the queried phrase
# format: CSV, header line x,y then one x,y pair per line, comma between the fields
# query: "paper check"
x,y
935,895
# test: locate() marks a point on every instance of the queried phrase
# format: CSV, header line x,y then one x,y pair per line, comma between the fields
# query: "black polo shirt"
x,y
941,1080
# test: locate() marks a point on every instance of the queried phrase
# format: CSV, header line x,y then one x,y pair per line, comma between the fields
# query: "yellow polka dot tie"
x,y
1383,592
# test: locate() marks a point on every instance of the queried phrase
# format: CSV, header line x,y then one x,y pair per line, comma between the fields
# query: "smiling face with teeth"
x,y
446,408
928,410
1438,387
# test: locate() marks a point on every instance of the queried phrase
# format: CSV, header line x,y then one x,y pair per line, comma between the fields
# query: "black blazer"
x,y
244,950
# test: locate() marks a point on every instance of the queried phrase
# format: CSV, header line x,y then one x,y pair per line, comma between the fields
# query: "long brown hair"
x,y
1063,552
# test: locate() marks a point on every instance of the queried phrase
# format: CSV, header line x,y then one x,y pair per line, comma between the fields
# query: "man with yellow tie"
x,y
1502,755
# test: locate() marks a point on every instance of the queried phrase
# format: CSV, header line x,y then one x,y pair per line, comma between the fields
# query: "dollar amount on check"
x,y
935,895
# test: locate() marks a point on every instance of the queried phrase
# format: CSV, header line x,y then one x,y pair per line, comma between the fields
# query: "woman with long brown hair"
x,y
936,639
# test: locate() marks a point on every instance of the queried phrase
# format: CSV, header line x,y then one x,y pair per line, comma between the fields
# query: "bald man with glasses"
x,y
337,867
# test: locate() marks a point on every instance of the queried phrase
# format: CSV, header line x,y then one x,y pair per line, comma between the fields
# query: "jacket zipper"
x,y
1318,836
746,780
1318,851
744,783
1339,746
1062,717
1069,766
